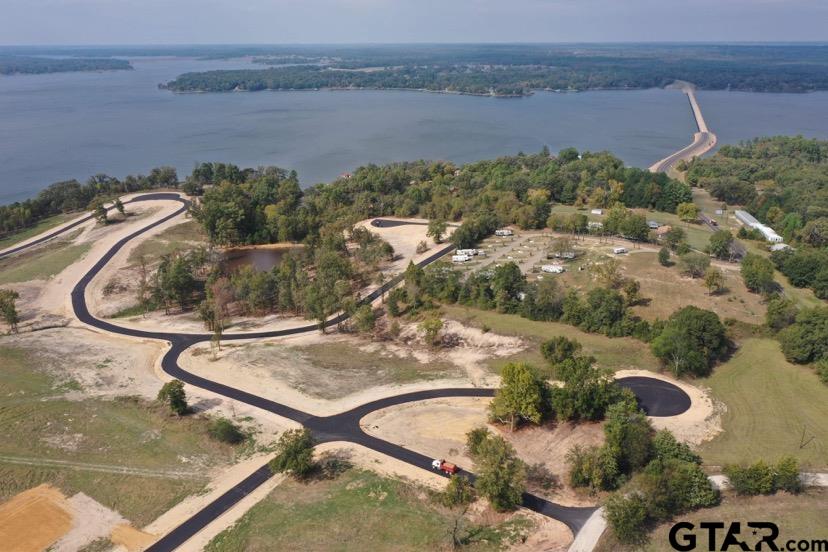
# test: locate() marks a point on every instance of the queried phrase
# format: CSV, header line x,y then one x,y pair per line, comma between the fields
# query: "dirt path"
x,y
101,468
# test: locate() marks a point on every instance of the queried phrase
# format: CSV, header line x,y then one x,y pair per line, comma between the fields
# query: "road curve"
x,y
656,396
703,139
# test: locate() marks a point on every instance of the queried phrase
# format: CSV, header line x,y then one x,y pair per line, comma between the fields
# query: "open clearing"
x,y
616,353
438,428
66,432
41,263
798,517
358,511
770,404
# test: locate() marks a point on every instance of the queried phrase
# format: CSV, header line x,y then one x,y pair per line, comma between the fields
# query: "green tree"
x,y
627,516
99,211
364,318
437,230
431,328
8,308
664,256
691,341
629,436
172,393
720,243
475,439
781,313
458,492
713,280
688,212
694,264
757,272
521,395
294,453
501,474
119,206
559,348
673,237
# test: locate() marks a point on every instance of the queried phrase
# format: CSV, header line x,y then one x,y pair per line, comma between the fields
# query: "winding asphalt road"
x,y
657,397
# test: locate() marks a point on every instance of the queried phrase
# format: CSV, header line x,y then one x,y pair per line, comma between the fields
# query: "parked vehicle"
x,y
619,250
446,467
553,269
460,258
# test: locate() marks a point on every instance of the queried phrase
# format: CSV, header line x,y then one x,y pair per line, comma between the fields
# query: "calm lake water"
x,y
72,125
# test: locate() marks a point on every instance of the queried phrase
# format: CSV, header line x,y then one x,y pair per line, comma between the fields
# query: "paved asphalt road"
x,y
657,397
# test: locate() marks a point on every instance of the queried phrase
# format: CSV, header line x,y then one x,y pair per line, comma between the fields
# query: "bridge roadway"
x,y
657,397
703,139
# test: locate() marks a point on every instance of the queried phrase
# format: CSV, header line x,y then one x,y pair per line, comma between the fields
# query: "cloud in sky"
x,y
328,21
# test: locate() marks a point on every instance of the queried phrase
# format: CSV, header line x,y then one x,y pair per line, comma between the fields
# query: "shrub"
x,y
225,431
173,394
559,348
593,467
755,479
666,446
627,516
822,370
474,439
781,313
458,492
294,453
502,475
664,256
787,475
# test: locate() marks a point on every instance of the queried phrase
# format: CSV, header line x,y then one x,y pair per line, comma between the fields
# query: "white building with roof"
x,y
750,221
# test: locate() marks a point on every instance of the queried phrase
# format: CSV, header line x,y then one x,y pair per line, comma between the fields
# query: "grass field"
x,y
42,226
41,263
174,239
41,428
798,517
770,402
356,512
342,357
615,353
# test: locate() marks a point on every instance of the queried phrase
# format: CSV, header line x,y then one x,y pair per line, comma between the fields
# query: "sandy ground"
x,y
103,364
270,368
700,423
438,428
404,240
42,517
34,519
47,303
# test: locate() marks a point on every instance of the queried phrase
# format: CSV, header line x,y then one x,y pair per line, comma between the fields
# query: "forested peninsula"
x,y
489,71
14,65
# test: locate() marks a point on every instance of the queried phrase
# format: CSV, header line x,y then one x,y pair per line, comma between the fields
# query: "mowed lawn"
x,y
41,263
774,408
39,426
358,511
797,516
616,353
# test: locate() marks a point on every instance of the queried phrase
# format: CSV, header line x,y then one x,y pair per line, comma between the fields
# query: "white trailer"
x,y
619,250
469,252
553,269
503,232
460,258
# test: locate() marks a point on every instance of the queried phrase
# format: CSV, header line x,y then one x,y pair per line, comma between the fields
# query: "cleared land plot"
x,y
42,262
797,516
357,511
174,239
93,436
615,353
40,227
669,290
329,370
770,403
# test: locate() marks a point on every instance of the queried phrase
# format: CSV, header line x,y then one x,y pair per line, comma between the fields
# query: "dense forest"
x,y
71,195
267,205
12,64
508,70
783,181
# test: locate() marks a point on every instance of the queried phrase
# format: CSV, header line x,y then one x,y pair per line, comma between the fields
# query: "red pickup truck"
x,y
445,467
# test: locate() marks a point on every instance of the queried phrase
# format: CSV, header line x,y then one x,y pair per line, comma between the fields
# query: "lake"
x,y
72,125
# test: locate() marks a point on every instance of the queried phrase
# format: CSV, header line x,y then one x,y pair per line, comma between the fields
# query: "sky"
x,y
363,21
